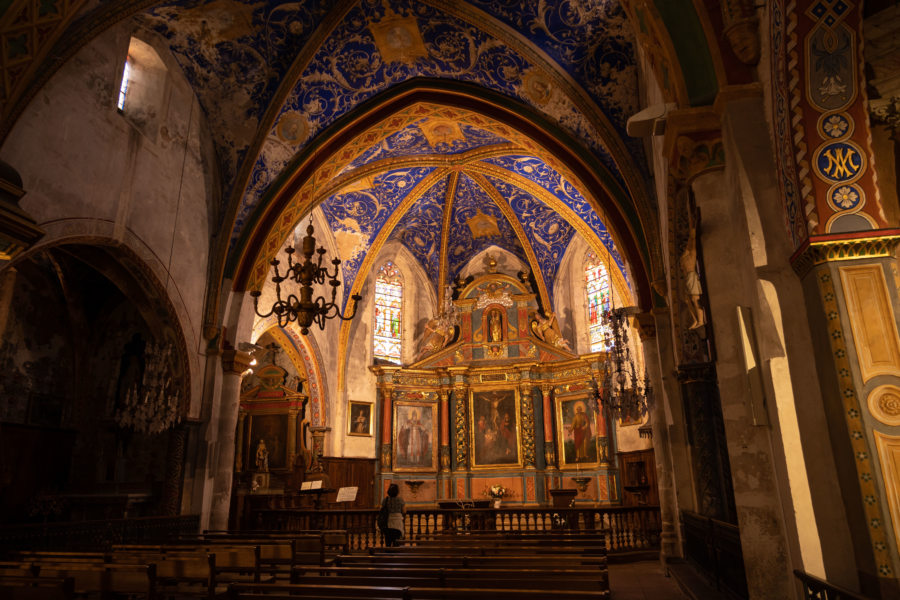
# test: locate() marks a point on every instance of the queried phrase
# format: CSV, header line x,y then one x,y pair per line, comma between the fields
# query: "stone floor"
x,y
643,580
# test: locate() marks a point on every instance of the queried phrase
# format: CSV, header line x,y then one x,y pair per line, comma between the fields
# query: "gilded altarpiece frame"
x,y
495,436
577,432
415,443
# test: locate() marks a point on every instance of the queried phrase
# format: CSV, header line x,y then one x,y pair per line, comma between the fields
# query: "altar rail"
x,y
628,529
819,589
95,535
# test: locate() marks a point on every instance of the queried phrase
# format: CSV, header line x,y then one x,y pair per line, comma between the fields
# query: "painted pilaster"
x,y
234,363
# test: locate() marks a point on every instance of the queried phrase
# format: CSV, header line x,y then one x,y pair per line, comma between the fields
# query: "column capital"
x,y
646,325
693,144
820,249
235,361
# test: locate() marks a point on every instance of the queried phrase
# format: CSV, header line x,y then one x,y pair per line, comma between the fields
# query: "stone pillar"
x,y
234,363
668,507
239,443
444,449
858,346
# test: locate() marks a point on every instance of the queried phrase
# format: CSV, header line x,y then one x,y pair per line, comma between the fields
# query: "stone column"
x,y
444,449
239,443
234,363
668,506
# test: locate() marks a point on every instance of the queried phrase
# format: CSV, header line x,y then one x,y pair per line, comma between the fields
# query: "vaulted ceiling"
x,y
273,77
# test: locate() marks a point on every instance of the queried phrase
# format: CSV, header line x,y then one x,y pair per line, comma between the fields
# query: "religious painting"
x,y
359,418
415,436
268,447
577,430
494,428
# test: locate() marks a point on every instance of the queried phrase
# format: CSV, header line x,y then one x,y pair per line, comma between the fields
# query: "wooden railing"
x,y
95,535
628,529
715,548
819,589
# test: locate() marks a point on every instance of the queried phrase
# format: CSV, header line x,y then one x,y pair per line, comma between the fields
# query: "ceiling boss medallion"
x,y
440,131
398,38
483,225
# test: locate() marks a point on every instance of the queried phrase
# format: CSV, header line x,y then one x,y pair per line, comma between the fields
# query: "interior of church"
x,y
623,270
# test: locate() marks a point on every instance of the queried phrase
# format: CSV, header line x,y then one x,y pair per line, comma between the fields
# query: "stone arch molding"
x,y
147,273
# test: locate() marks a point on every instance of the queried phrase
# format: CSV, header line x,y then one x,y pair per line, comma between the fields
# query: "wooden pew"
x,y
104,579
499,561
36,588
595,576
240,591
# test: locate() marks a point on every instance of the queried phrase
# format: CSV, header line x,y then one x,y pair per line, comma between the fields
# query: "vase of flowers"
x,y
497,492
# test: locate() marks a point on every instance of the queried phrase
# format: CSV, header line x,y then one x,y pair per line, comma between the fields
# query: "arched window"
x,y
388,300
597,287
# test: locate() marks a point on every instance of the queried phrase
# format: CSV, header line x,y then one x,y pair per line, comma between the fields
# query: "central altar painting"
x,y
496,438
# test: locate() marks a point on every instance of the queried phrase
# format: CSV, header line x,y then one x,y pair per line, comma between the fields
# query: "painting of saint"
x,y
578,431
359,416
494,428
415,430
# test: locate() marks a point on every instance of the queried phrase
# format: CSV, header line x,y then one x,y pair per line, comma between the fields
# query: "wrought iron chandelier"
x,y
625,395
307,272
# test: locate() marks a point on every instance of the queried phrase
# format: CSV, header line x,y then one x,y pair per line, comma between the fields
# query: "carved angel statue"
x,y
547,330
441,329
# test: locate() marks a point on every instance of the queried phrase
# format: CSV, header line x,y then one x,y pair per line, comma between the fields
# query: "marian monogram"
x,y
840,162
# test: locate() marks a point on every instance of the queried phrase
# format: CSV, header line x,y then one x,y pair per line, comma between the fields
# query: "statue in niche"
x,y
692,287
496,325
262,457
546,328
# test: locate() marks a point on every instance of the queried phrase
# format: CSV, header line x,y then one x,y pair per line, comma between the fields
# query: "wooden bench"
x,y
502,561
240,591
36,588
593,575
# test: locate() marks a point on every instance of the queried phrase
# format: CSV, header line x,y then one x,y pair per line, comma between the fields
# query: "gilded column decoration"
x,y
386,418
462,446
528,458
549,446
445,431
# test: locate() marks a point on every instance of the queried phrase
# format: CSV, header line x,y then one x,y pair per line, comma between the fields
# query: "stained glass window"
x,y
597,285
123,86
388,299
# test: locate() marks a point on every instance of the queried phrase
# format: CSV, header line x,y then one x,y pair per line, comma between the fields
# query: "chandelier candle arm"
x,y
306,272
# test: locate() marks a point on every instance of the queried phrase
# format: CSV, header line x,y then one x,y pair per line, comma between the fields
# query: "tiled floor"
x,y
644,580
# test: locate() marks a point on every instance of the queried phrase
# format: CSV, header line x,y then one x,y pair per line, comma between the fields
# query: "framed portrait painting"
x,y
359,418
415,436
577,428
494,428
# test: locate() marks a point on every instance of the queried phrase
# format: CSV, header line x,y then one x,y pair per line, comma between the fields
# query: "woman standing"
x,y
396,509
